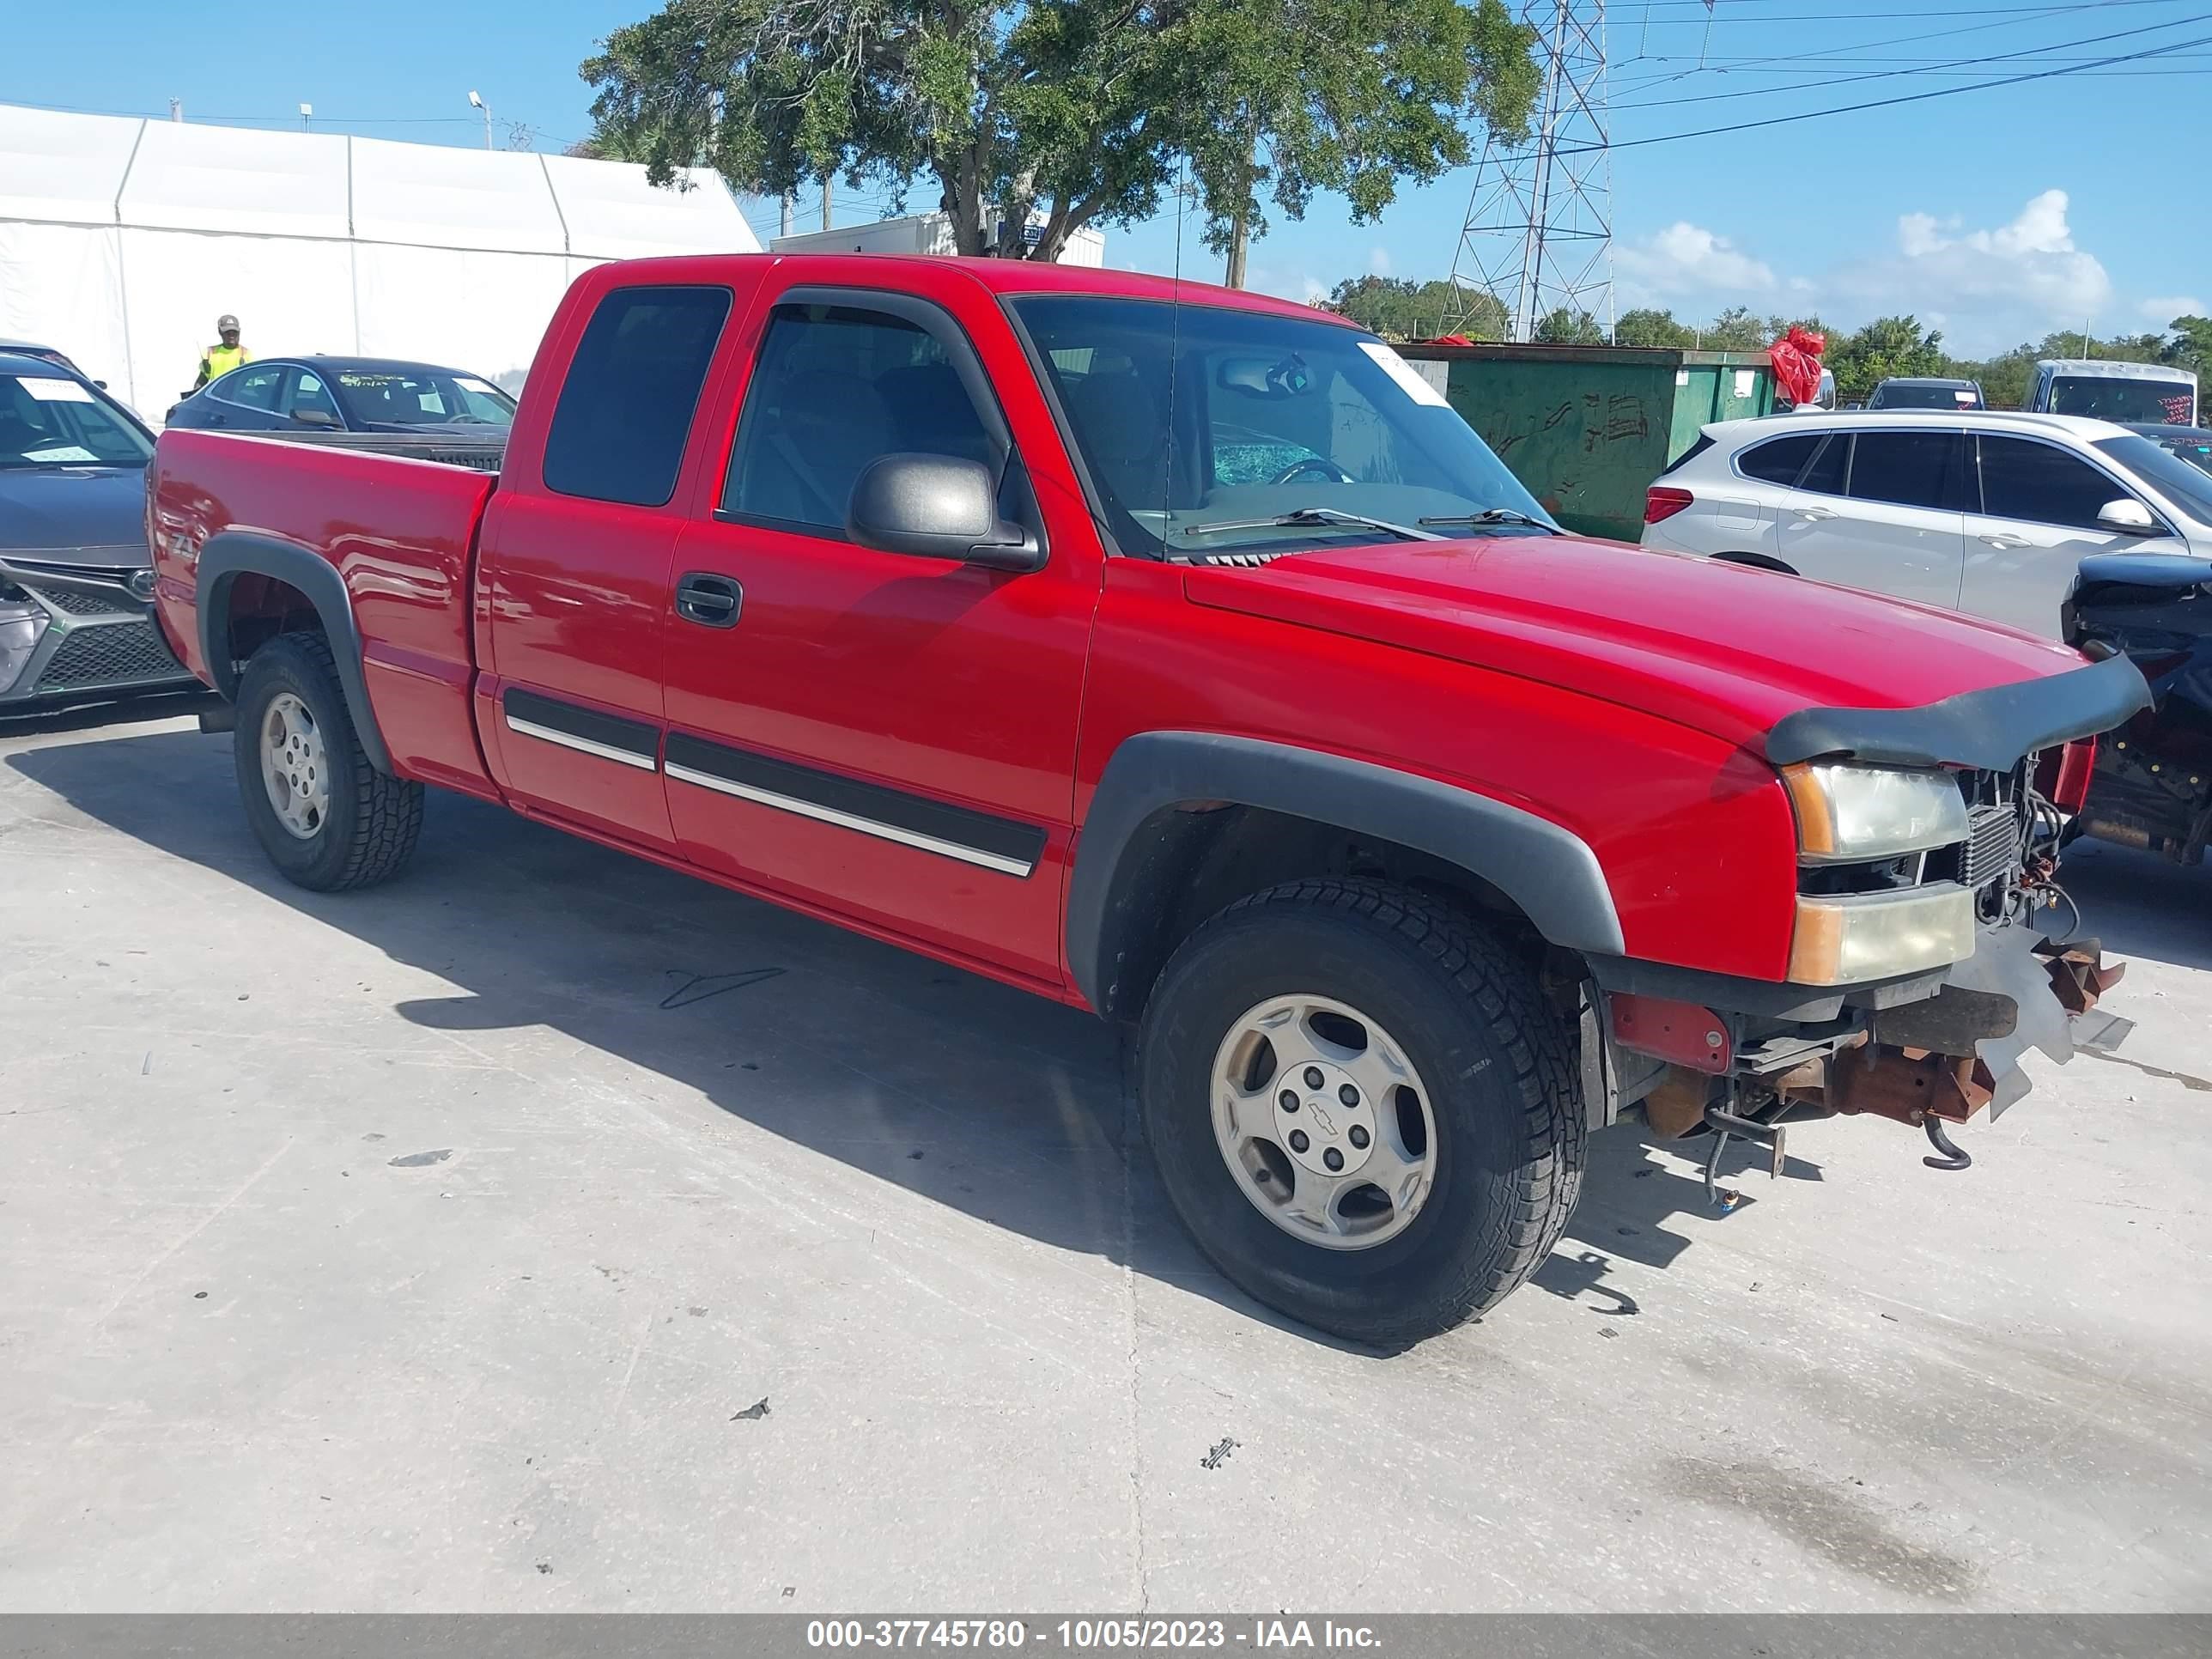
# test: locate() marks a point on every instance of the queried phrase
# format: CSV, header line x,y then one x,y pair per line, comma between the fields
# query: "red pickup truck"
x,y
1179,653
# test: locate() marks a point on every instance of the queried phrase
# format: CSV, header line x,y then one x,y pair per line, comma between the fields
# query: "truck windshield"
x,y
54,421
2112,397
1201,426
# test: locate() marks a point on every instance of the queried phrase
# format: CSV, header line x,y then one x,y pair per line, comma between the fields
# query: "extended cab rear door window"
x,y
631,390
837,387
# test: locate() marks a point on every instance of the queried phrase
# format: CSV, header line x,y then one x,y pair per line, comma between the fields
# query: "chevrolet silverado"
x,y
1181,654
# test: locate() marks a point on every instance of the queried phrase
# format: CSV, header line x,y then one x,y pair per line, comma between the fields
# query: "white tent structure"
x,y
121,241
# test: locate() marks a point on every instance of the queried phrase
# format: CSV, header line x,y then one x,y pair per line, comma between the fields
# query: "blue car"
x,y
347,394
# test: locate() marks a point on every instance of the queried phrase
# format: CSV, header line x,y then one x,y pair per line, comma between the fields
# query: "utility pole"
x,y
177,111
475,102
825,201
1538,235
790,206
307,117
1240,230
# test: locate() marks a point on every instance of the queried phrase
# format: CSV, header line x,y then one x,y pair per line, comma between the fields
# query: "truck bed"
x,y
401,534
480,448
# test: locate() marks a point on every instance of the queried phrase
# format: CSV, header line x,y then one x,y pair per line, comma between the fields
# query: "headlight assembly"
x,y
1847,813
1842,941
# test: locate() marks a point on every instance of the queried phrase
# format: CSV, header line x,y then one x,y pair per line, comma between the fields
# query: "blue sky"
x,y
2000,213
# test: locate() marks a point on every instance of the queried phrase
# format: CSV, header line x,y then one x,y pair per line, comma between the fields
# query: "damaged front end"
x,y
1925,963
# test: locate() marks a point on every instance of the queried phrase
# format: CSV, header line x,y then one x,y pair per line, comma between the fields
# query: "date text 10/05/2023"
x,y
1084,1635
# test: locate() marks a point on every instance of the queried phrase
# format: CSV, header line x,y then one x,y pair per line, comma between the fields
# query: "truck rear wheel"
x,y
328,819
1362,1108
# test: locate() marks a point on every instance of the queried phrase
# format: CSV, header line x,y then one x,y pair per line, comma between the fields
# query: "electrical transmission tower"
x,y
1538,235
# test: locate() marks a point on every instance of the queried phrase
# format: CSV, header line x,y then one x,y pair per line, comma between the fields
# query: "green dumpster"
x,y
1587,428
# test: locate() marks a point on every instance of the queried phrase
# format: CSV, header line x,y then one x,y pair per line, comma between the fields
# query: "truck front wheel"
x,y
328,819
1362,1107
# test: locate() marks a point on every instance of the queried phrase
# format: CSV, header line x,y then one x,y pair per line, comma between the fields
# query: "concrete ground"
x,y
549,1232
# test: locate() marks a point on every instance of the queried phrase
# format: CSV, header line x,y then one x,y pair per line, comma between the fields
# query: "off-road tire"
x,y
1505,1095
374,819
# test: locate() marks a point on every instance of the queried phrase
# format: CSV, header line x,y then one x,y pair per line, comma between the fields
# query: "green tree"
x,y
1647,327
1566,327
1735,330
2191,347
1088,110
1401,310
1886,347
2004,379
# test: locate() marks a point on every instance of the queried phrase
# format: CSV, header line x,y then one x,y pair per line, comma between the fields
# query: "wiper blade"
x,y
1497,515
1314,518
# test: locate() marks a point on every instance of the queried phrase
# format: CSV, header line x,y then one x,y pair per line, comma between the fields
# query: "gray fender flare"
x,y
1549,872
234,553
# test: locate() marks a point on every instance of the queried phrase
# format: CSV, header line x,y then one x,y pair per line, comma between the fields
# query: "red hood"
x,y
1718,647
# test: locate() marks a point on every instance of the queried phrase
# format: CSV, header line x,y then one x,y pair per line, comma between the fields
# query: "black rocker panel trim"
x,y
896,814
638,738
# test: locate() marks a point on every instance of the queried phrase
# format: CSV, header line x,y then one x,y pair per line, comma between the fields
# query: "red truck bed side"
x,y
401,536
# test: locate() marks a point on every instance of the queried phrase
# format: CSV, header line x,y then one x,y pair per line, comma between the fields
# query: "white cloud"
x,y
2028,272
1985,286
1378,261
1688,259
2161,309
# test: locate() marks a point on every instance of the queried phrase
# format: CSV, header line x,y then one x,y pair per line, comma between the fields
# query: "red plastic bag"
x,y
1796,359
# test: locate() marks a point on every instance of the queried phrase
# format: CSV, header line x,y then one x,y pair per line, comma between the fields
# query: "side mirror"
x,y
2127,517
321,417
937,507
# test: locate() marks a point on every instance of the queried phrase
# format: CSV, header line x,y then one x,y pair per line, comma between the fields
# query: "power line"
x,y
1906,98
1859,46
2021,14
1953,64
1735,13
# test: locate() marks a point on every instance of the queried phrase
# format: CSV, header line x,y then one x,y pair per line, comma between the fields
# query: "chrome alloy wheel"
x,y
295,766
1323,1122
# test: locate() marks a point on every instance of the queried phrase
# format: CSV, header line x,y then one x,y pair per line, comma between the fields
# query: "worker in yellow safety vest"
x,y
220,360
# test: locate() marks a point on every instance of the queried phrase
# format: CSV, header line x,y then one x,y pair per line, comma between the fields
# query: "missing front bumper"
x,y
1945,1056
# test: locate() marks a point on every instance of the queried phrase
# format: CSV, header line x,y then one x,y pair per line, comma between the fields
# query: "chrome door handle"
x,y
2004,544
1813,513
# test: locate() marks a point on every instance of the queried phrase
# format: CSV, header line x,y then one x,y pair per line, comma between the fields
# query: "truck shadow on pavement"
x,y
2140,904
1007,1108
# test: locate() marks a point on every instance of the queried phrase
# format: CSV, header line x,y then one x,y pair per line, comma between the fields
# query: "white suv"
x,y
1982,512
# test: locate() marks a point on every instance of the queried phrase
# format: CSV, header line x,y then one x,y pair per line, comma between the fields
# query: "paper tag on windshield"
x,y
470,383
61,452
1407,377
48,390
